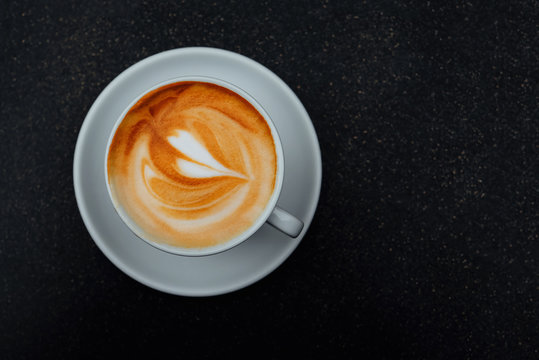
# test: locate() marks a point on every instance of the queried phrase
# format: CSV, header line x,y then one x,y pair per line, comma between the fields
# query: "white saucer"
x,y
241,265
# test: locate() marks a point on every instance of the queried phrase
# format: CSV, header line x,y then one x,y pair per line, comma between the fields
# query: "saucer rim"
x,y
131,270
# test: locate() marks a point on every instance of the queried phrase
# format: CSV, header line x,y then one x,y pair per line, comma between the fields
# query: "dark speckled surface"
x,y
425,242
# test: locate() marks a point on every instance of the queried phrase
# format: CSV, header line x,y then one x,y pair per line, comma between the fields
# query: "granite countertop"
x,y
425,241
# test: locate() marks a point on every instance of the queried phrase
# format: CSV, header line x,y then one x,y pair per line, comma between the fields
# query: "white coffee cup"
x,y
272,214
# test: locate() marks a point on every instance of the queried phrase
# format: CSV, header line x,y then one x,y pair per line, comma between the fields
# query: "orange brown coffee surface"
x,y
192,165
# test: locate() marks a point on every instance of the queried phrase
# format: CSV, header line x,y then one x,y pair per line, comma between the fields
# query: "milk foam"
x,y
192,164
207,165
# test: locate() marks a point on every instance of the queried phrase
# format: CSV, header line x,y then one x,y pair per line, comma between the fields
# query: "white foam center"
x,y
186,143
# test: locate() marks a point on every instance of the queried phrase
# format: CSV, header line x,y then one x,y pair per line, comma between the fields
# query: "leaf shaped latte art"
x,y
205,165
192,164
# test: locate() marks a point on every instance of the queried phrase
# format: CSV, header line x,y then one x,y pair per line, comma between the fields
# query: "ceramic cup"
x,y
272,214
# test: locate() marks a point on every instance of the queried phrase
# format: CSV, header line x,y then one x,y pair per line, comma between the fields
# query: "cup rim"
x,y
215,249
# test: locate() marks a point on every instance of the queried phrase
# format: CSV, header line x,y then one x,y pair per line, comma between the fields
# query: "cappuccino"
x,y
192,164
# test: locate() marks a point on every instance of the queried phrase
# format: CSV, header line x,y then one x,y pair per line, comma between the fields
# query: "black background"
x,y
424,244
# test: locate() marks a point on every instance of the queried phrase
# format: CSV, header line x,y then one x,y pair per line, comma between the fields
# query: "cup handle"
x,y
285,222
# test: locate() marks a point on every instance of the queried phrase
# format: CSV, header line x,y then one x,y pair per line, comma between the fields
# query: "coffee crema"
x,y
192,164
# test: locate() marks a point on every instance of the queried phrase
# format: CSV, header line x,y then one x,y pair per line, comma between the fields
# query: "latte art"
x,y
192,164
